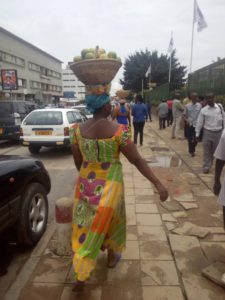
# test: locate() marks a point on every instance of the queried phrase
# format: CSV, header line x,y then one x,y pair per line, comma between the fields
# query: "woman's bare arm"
x,y
77,156
131,153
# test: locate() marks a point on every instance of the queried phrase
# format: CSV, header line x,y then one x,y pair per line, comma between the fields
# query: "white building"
x,y
39,73
72,87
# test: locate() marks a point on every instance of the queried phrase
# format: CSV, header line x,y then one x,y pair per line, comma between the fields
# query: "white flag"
x,y
148,71
199,18
170,48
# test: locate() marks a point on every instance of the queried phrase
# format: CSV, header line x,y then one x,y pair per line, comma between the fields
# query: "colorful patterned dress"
x,y
99,220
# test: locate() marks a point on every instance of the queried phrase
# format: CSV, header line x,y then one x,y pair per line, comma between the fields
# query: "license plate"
x,y
43,132
1,130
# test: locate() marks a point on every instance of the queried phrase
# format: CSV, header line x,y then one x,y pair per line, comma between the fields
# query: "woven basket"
x,y
122,94
96,71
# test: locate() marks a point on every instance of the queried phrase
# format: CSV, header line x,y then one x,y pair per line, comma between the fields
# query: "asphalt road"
x,y
60,165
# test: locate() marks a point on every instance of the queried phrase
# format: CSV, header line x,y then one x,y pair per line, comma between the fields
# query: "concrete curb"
x,y
14,291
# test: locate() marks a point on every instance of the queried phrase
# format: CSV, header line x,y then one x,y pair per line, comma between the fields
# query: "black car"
x,y
12,114
24,185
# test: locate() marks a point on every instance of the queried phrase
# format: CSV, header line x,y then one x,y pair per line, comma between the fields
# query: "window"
x,y
44,118
74,117
22,82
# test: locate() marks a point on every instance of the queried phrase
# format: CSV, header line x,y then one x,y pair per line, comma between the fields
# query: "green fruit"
x,y
92,50
89,55
112,55
103,56
84,52
77,58
119,59
101,51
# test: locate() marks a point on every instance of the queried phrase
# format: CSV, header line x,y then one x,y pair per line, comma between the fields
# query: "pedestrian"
x,y
186,101
122,113
99,211
162,111
191,112
139,113
211,119
177,110
170,113
149,108
220,162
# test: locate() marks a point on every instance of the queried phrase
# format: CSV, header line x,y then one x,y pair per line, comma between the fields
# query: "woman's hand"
x,y
163,193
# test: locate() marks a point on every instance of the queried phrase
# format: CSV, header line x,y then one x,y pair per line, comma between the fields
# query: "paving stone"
x,y
188,206
89,292
216,238
128,184
40,291
155,250
200,288
179,214
171,205
127,292
160,272
162,293
126,272
144,192
184,198
149,219
214,251
219,230
151,233
188,254
51,270
145,199
202,192
130,199
129,192
168,218
132,233
147,208
191,229
130,214
132,250
171,225
215,272
142,184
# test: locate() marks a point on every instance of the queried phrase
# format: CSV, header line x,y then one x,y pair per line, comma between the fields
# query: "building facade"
x,y
72,87
39,73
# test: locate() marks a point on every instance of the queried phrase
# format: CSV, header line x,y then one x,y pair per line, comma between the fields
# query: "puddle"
x,y
160,149
164,161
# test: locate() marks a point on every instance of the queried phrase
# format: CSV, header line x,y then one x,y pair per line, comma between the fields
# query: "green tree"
x,y
136,65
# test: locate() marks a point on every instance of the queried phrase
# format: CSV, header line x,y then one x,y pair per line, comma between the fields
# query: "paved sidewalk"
x,y
167,244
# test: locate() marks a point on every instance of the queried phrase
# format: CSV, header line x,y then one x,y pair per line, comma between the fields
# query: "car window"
x,y
6,108
83,116
44,118
74,117
20,107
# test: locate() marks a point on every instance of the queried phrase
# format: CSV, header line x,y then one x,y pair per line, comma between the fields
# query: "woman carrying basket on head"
x,y
99,221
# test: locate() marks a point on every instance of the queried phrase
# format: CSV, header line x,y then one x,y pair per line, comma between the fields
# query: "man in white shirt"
x,y
220,162
177,110
191,112
211,119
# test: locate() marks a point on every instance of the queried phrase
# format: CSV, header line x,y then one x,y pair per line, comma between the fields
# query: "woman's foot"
x,y
113,258
78,286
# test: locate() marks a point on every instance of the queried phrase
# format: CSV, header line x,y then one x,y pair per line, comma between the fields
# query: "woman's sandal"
x,y
115,262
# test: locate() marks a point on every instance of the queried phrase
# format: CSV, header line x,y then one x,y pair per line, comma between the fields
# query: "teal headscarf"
x,y
94,102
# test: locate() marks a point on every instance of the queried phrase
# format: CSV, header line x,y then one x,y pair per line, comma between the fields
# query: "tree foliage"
x,y
136,66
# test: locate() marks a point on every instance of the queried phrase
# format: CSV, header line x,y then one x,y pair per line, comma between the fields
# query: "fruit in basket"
x,y
84,52
77,58
92,50
101,51
103,56
119,59
89,55
112,55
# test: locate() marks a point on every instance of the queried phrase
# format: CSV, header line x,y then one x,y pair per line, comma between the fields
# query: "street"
x,y
60,165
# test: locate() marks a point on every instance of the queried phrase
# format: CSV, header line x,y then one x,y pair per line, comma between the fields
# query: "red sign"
x,y
9,80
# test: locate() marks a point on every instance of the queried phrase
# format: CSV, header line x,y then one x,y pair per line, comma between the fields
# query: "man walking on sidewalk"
x,y
211,119
177,117
139,113
162,111
191,112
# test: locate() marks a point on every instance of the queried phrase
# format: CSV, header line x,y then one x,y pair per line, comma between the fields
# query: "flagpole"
x,y
170,62
142,88
192,38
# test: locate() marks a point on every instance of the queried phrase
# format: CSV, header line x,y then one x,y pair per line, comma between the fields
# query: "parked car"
x,y
12,114
48,127
24,184
84,110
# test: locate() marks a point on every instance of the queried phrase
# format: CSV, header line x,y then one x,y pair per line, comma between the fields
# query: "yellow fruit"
x,y
101,51
112,55
77,58
103,56
92,50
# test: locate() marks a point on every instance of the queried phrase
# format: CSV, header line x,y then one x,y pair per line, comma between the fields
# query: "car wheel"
x,y
33,215
34,149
